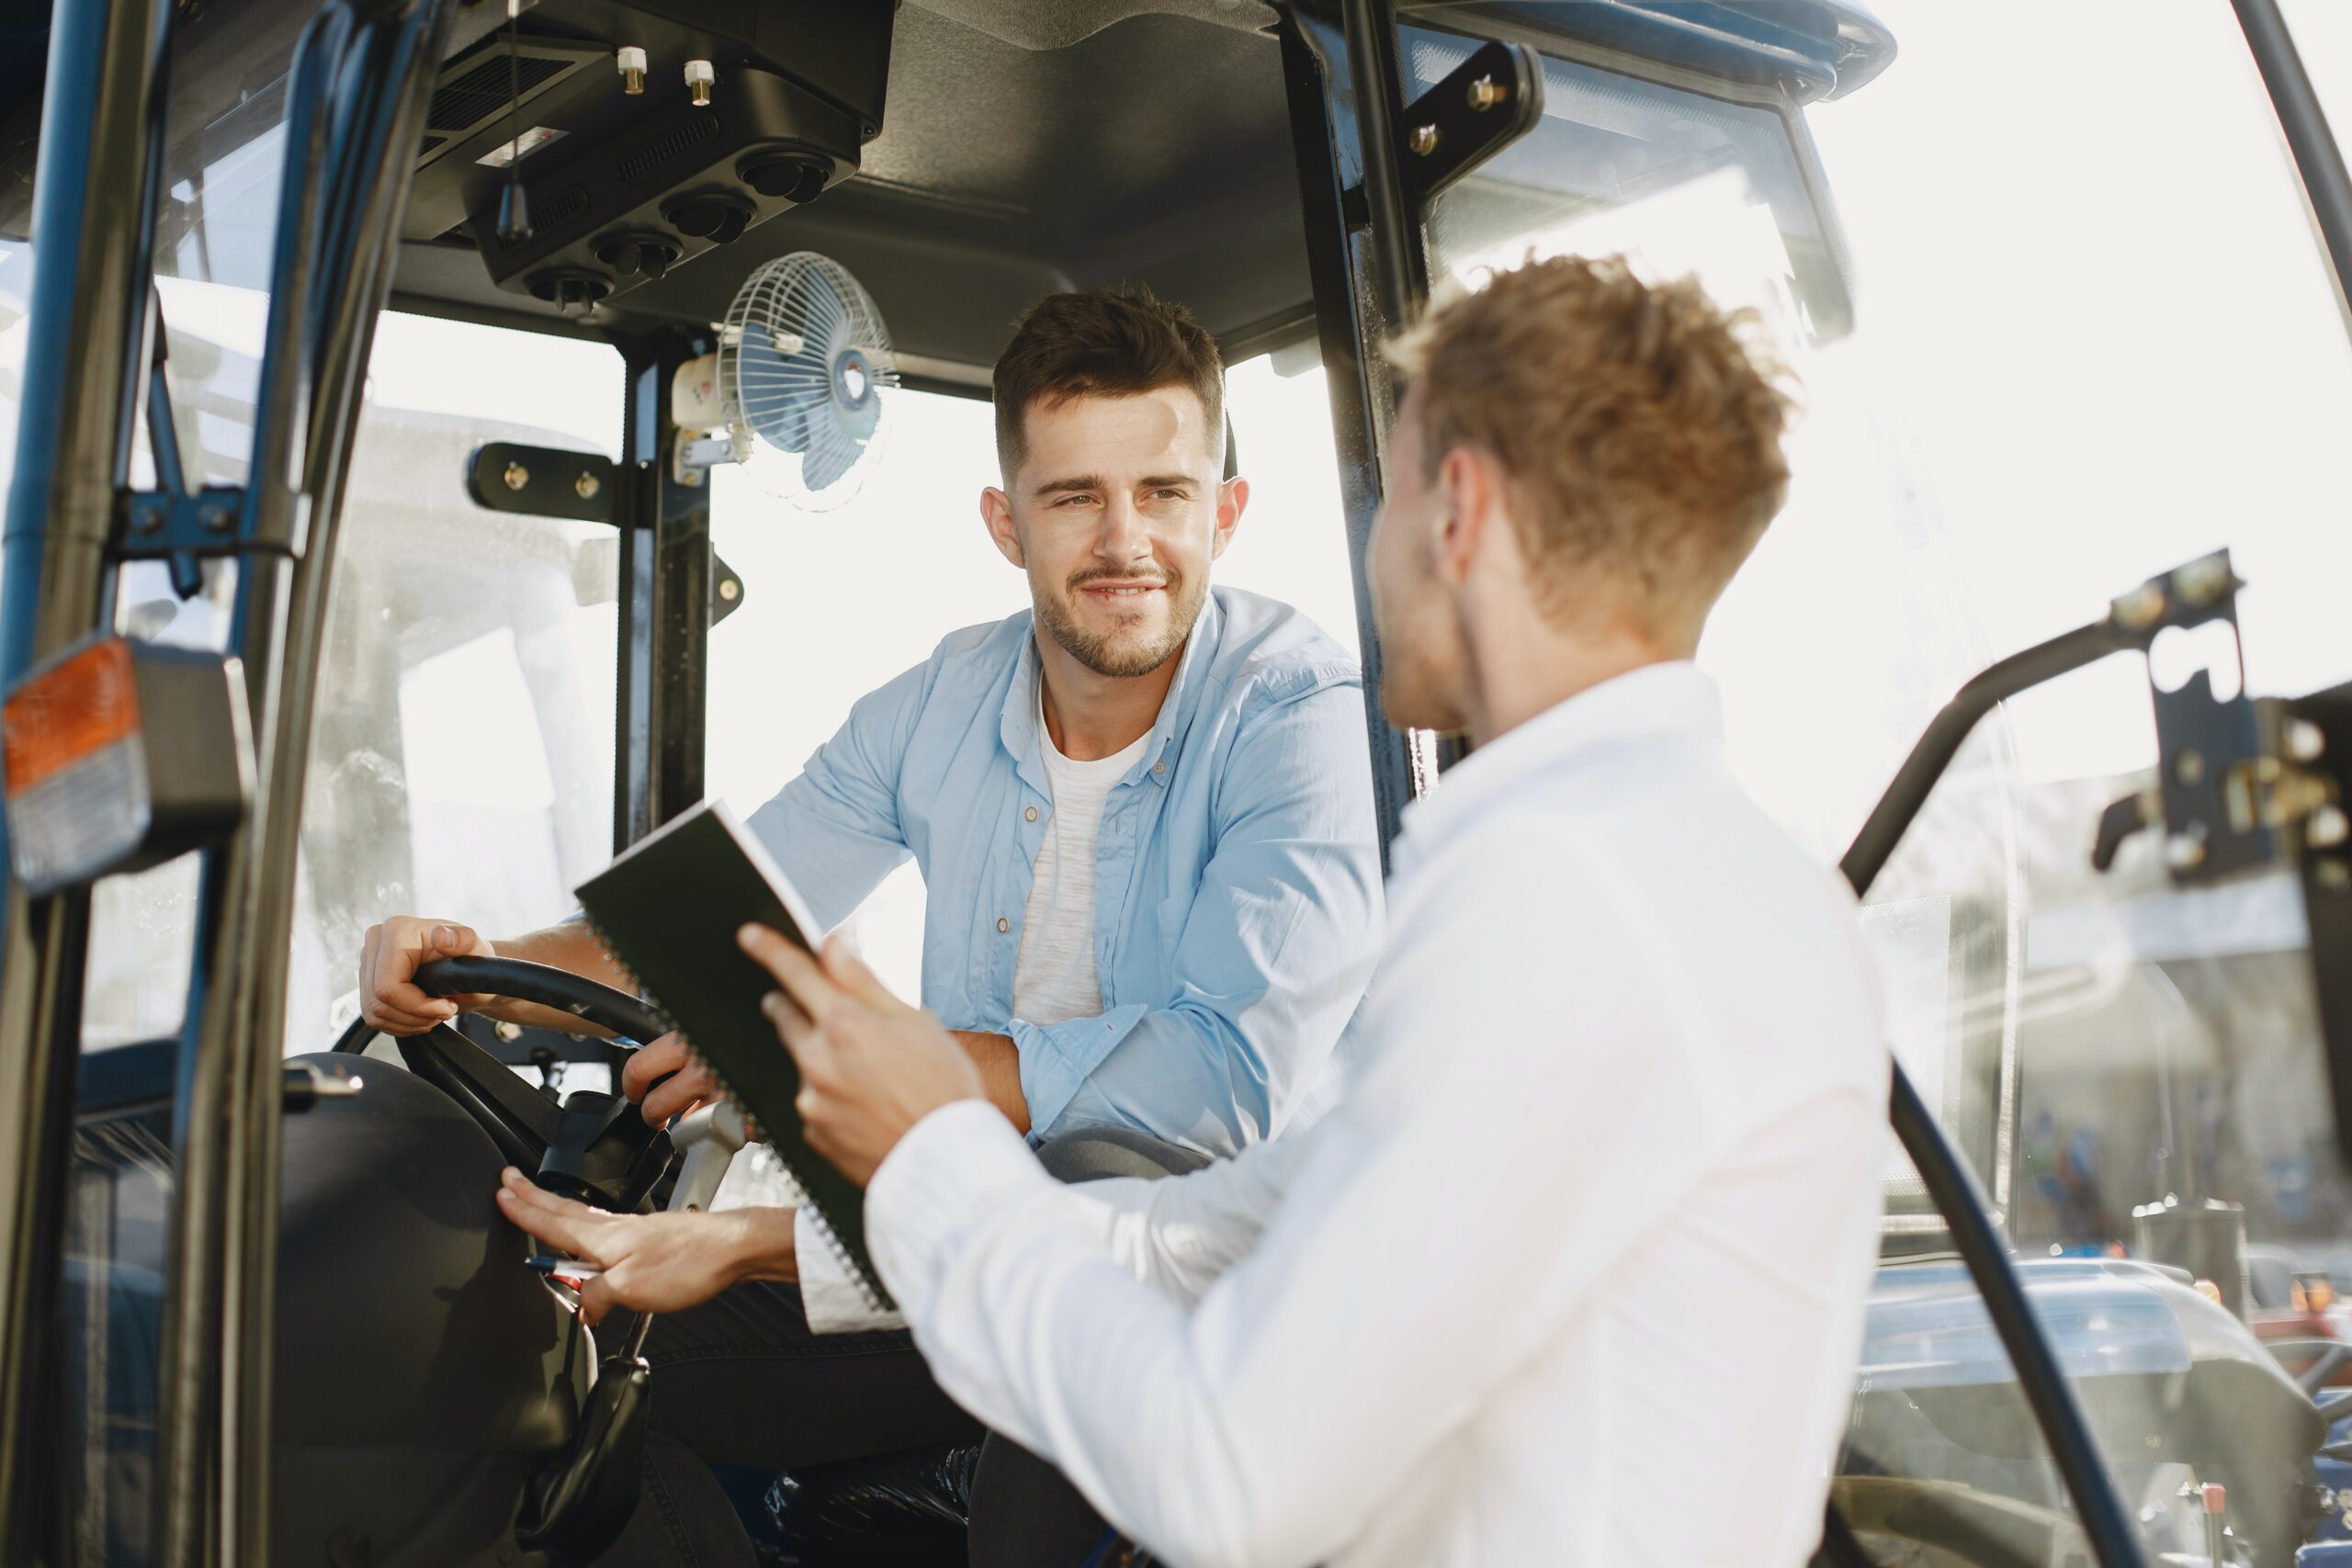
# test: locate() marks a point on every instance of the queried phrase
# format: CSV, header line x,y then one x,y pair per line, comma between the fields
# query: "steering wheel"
x,y
595,1147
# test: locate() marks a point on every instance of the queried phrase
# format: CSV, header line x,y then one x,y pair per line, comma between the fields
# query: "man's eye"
x,y
1168,495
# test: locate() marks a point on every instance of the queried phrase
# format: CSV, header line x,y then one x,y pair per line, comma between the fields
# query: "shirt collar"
x,y
1673,699
1019,725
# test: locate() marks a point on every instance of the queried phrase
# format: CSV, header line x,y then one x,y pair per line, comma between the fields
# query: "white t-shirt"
x,y
1052,977
1053,982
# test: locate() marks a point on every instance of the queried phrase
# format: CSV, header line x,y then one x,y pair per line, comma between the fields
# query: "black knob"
x,y
719,216
796,177
649,256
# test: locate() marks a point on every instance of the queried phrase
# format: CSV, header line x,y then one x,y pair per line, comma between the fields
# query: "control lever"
x,y
709,1139
307,1083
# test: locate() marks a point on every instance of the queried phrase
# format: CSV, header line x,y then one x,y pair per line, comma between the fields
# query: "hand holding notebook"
x,y
668,909
871,1067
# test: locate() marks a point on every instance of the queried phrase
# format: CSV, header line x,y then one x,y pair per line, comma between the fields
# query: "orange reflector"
x,y
61,715
121,754
2216,1497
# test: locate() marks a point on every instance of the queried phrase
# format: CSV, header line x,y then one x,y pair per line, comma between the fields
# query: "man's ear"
x,y
1466,481
1232,498
996,512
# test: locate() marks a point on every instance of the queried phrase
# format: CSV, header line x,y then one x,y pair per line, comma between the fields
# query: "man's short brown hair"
x,y
1108,343
1639,426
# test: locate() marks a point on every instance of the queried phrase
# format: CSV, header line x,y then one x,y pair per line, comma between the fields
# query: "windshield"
x,y
2088,338
462,762
1697,184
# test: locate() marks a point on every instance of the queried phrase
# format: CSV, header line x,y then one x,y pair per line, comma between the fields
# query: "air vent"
x,y
671,145
482,92
428,144
561,210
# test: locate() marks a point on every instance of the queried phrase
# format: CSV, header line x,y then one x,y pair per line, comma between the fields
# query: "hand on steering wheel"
x,y
667,1082
390,999
595,1145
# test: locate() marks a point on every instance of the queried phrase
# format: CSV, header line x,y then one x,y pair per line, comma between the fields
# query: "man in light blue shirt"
x,y
1235,878
1158,988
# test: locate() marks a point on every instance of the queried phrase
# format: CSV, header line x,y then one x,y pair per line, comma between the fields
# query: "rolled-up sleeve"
x,y
835,828
1273,957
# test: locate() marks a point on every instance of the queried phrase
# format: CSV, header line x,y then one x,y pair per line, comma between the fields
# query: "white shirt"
x,y
1575,1273
1053,979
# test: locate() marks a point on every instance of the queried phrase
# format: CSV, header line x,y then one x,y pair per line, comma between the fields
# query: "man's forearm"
x,y
765,1248
1000,1062
573,946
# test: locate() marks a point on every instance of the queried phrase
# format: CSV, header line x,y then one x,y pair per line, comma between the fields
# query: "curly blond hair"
x,y
1639,426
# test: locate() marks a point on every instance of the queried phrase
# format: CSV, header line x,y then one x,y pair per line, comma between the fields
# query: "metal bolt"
x,y
2328,827
517,476
1485,93
147,519
2203,582
510,1032
699,76
2306,742
1423,142
2141,608
2185,851
729,590
631,60
587,485
213,516
2189,767
2332,875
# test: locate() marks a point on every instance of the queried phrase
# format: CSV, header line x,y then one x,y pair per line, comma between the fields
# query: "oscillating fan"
x,y
805,380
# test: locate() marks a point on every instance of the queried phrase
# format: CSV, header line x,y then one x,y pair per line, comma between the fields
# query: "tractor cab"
x,y
445,441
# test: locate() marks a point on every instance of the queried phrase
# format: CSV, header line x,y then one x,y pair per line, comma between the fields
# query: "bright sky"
x,y
2095,339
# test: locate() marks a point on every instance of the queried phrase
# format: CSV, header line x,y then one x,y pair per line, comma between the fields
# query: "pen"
x,y
564,1267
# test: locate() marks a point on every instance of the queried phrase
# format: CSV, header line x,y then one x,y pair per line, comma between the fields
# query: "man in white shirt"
x,y
1599,1212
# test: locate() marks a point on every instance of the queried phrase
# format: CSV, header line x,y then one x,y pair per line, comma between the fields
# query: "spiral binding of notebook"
x,y
666,912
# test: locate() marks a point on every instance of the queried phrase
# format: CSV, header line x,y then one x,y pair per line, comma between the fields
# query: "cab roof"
x,y
1013,147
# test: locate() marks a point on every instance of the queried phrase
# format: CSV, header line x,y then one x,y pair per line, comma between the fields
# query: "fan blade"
x,y
829,461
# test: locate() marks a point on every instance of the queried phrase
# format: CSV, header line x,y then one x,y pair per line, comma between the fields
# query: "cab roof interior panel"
x,y
1017,150
973,154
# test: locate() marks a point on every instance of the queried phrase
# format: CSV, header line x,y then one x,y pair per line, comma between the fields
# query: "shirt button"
x,y
1002,924
1031,814
1160,767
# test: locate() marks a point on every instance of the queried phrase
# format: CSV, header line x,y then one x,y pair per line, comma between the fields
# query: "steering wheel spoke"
x,y
592,1146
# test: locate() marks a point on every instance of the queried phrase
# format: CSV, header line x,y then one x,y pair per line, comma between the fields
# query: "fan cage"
x,y
795,326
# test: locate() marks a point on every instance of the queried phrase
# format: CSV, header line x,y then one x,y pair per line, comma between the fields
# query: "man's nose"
x,y
1122,536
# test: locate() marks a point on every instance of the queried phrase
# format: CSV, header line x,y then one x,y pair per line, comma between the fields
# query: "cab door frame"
x,y
355,99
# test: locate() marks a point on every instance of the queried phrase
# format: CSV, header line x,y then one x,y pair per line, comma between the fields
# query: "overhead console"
x,y
648,136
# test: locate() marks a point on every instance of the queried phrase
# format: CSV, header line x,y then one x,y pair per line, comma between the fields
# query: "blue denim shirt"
x,y
1237,883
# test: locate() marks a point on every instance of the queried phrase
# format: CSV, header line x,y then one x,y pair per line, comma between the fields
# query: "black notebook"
x,y
667,910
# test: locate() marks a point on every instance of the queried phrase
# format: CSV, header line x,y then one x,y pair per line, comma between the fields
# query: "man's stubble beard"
x,y
1096,653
